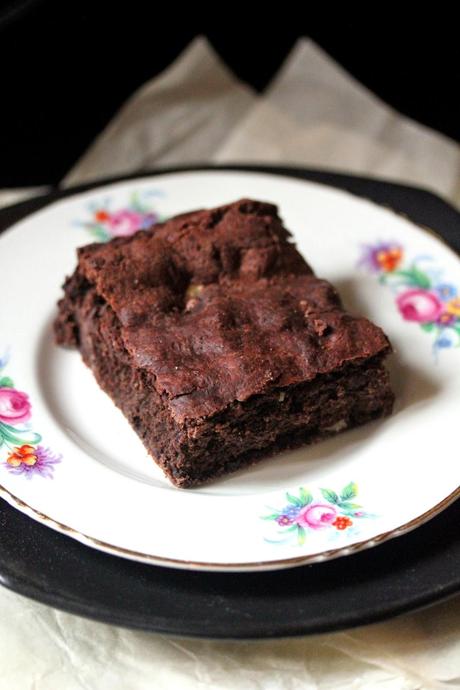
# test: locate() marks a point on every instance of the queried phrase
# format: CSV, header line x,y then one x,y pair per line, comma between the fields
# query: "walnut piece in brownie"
x,y
214,337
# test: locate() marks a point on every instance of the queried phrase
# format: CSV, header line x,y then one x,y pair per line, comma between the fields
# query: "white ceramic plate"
x,y
70,460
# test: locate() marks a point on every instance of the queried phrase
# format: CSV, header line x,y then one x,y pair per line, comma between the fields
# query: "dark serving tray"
x,y
414,570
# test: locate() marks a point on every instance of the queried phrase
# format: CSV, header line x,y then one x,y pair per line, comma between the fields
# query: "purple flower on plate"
x,y
29,460
284,520
383,257
446,319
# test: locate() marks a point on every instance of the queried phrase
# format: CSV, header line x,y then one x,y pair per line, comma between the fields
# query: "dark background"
x,y
66,67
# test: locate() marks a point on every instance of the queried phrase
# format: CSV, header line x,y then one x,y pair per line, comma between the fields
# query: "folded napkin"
x,y
313,114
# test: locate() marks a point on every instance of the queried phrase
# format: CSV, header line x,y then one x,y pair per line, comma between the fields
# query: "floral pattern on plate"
x,y
421,295
25,454
106,222
303,514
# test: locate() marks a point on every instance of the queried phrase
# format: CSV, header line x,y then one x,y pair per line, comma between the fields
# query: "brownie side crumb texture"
x,y
218,343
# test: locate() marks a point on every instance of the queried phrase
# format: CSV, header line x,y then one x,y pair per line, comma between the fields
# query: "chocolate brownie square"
x,y
216,340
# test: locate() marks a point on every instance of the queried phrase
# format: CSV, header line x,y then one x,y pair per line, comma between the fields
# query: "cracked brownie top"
x,y
219,306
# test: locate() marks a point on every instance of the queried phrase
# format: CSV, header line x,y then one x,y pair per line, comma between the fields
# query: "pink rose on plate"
x,y
124,223
14,406
317,515
419,305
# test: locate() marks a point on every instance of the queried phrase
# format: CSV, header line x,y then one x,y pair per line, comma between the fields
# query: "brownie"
x,y
216,340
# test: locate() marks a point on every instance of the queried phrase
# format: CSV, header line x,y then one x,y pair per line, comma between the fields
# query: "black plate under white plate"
x,y
414,570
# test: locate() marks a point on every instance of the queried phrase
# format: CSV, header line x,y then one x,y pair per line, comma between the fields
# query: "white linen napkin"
x,y
313,114
180,117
